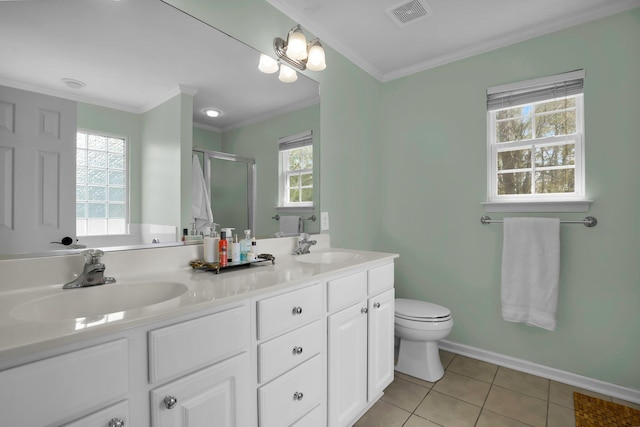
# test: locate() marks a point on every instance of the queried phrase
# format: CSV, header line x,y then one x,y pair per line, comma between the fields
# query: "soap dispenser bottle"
x,y
212,245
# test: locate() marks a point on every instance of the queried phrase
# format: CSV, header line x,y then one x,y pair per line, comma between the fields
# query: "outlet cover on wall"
x,y
324,221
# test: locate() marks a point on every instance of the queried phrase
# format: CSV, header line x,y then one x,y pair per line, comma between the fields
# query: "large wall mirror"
x,y
144,73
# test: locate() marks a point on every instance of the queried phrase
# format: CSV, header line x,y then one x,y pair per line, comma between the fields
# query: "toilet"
x,y
420,325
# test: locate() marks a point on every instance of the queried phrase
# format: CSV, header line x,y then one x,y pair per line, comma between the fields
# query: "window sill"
x,y
546,206
295,209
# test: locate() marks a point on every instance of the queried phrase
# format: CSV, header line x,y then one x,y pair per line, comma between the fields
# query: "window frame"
x,y
536,202
126,186
285,146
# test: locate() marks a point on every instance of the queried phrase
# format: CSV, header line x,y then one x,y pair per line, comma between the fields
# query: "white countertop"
x,y
205,290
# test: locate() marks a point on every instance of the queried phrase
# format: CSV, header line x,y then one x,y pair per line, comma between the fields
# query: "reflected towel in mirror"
x,y
200,203
290,226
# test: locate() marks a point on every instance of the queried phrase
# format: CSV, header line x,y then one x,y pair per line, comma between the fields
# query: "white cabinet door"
x,y
347,367
381,330
219,395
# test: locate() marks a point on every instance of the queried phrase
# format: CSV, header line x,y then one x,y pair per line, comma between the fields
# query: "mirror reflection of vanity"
x,y
156,104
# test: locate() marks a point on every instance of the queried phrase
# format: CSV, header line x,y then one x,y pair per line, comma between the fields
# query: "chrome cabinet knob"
x,y
376,305
364,310
116,422
170,402
297,310
297,350
298,395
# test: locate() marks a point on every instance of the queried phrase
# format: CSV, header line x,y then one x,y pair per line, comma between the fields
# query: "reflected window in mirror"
x,y
101,184
296,170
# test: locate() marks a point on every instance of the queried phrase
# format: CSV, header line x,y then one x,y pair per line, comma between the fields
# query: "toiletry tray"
x,y
216,267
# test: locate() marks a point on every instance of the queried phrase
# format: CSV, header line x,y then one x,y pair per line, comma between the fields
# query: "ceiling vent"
x,y
408,12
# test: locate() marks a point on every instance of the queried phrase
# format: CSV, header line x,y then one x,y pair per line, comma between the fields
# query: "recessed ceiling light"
x,y
73,83
212,113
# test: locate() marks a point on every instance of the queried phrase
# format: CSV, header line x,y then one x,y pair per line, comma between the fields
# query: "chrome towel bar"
x,y
589,221
311,218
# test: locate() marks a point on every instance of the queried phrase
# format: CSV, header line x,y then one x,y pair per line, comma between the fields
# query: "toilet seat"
x,y
420,311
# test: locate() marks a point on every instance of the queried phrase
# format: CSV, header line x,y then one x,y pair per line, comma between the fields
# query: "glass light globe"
x,y
316,61
267,64
287,74
296,44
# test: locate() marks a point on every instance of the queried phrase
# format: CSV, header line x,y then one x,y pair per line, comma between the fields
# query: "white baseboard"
x,y
613,390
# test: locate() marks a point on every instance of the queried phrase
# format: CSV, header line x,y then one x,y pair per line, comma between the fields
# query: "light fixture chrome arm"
x,y
280,47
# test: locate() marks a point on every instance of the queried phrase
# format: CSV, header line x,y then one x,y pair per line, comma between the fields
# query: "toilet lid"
x,y
420,310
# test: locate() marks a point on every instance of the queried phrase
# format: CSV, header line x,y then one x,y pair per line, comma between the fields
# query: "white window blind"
x,y
298,140
559,85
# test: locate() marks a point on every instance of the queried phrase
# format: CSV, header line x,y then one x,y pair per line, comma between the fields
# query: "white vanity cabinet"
x,y
50,391
360,341
213,352
290,342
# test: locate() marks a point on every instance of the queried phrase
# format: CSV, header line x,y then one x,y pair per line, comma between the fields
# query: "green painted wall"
x,y
207,139
166,162
434,146
119,123
403,169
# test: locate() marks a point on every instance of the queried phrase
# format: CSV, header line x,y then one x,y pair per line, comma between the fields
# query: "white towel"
x,y
530,271
200,203
290,225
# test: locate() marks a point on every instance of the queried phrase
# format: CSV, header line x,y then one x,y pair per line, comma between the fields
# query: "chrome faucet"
x,y
304,244
92,273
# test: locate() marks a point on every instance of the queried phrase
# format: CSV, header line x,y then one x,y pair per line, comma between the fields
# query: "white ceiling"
x,y
134,54
363,32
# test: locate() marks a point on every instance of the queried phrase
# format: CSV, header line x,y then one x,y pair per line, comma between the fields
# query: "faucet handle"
x,y
304,236
92,256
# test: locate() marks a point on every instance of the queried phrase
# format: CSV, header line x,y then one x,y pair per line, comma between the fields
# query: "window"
x,y
101,185
296,170
536,146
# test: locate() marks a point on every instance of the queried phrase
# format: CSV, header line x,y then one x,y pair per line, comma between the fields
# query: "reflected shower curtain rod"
x,y
589,221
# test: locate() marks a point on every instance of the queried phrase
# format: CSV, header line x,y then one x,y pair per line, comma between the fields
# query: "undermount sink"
x,y
331,257
98,300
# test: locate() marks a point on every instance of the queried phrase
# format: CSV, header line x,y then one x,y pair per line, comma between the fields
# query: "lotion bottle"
x,y
235,251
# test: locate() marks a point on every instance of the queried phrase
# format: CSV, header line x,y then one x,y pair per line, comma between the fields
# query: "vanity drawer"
x,y
288,311
380,278
346,290
51,390
101,418
283,353
315,418
289,397
181,348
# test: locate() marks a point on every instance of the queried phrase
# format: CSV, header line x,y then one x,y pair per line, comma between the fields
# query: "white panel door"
x,y
347,364
37,170
381,330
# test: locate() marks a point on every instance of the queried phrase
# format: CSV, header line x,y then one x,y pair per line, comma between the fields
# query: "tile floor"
x,y
475,393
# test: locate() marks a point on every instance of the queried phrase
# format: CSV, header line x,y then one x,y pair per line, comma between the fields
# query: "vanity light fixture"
x,y
299,54
295,52
212,113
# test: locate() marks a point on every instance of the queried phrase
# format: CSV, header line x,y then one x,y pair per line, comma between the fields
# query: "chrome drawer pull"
x,y
297,310
298,396
297,350
116,422
364,310
376,305
170,402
